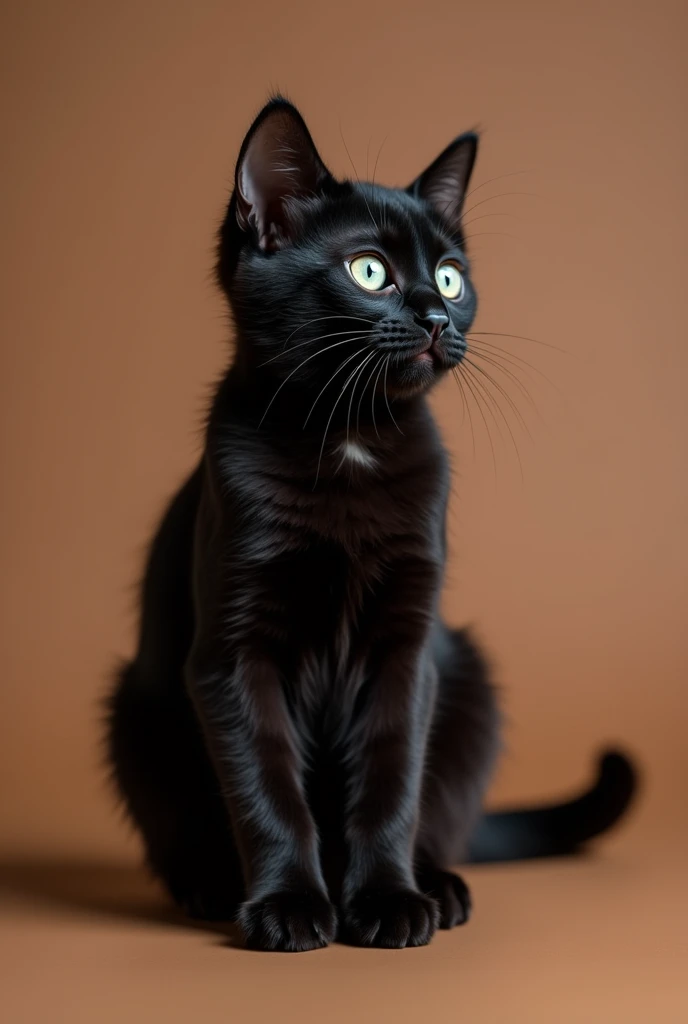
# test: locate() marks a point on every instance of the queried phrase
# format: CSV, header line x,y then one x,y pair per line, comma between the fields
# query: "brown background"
x,y
121,122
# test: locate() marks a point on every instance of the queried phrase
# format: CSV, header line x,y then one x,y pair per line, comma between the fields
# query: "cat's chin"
x,y
417,376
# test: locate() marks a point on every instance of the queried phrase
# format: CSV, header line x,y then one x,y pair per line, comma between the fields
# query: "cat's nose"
x,y
434,324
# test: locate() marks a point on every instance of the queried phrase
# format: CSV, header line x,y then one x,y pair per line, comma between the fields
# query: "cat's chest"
x,y
327,590
360,512
331,609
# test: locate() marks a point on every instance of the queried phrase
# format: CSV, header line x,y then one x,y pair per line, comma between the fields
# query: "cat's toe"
x,y
289,921
390,918
452,895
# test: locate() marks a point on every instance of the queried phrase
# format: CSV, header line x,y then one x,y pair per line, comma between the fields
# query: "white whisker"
x,y
372,406
340,367
320,351
365,362
387,399
312,341
327,425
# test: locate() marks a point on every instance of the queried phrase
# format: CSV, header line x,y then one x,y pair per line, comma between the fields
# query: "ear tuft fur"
x,y
278,162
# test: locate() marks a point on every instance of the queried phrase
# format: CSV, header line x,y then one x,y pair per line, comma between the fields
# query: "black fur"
x,y
301,741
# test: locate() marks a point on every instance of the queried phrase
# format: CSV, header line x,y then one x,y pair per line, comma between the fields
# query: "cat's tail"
x,y
557,829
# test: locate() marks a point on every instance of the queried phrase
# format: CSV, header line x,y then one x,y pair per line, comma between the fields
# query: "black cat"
x,y
301,741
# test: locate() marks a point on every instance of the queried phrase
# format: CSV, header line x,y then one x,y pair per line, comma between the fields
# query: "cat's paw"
x,y
290,920
452,895
390,918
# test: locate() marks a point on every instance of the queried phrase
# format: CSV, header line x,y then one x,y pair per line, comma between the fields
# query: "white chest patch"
x,y
352,451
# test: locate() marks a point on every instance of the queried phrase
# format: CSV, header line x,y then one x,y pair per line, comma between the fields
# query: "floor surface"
x,y
601,938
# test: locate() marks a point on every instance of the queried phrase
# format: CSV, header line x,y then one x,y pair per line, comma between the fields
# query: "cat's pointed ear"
x,y
278,162
443,184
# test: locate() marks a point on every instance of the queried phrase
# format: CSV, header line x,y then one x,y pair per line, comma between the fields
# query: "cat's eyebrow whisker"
x,y
453,204
303,363
340,367
480,234
457,204
482,216
311,341
378,157
497,177
500,195
375,224
387,399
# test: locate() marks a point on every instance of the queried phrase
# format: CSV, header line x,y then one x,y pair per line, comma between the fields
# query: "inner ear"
x,y
278,162
444,183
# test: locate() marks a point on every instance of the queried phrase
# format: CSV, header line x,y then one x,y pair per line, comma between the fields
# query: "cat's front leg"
x,y
382,905
259,764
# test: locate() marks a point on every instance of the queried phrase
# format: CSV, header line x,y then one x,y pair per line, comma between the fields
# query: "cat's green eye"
x,y
369,272
449,280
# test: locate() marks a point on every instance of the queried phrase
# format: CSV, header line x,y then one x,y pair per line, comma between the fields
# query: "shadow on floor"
x,y
99,889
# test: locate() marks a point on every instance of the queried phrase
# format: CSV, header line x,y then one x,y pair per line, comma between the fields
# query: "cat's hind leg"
x,y
462,747
156,752
171,793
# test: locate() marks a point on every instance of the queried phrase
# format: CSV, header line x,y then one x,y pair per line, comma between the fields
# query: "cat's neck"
x,y
260,400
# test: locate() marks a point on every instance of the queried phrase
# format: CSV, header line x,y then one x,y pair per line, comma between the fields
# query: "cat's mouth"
x,y
438,355
419,370
426,355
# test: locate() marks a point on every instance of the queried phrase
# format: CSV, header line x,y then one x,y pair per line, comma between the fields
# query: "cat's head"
x,y
345,284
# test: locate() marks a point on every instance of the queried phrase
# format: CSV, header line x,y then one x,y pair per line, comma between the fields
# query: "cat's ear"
x,y
278,162
443,184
